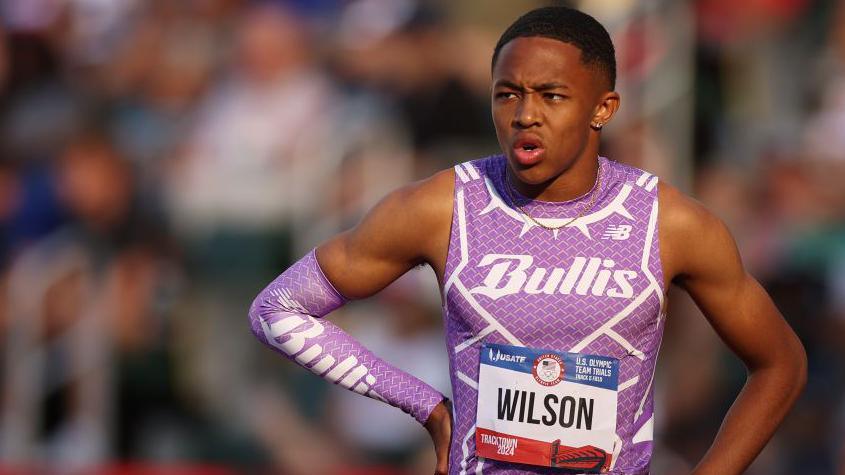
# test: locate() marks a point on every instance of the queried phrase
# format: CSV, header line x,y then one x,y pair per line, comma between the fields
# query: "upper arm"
x,y
706,263
410,226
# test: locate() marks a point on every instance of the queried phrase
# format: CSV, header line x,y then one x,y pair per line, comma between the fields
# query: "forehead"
x,y
542,60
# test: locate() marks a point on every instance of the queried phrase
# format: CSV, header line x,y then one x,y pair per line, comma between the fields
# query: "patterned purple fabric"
x,y
285,315
594,286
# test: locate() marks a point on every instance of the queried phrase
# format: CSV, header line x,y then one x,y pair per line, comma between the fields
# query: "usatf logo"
x,y
499,356
510,274
617,232
548,369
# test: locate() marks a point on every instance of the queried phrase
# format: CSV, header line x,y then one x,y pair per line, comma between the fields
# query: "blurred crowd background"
x,y
161,161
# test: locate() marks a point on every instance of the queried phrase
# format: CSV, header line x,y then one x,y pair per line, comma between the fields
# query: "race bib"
x,y
545,407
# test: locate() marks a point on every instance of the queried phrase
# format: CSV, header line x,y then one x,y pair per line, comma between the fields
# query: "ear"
x,y
608,104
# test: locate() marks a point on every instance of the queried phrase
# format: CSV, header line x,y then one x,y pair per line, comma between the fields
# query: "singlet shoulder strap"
x,y
467,171
639,178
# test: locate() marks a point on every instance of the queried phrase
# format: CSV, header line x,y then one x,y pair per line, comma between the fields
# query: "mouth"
x,y
528,150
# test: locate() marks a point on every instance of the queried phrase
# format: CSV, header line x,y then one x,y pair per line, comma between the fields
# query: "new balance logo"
x,y
510,274
617,232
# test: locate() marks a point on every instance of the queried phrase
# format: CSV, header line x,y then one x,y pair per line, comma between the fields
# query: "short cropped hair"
x,y
569,26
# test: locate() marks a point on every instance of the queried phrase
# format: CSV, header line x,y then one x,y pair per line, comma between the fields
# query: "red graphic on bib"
x,y
548,369
588,458
512,448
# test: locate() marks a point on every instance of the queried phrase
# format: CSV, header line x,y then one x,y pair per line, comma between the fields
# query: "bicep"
x,y
736,305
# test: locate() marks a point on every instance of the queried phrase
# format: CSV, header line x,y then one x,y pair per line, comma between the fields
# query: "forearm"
x,y
286,317
753,418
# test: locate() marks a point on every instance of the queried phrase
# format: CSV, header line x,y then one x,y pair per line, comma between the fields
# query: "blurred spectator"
x,y
408,53
40,110
276,129
77,301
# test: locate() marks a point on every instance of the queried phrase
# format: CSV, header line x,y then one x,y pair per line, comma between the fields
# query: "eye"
x,y
554,97
505,95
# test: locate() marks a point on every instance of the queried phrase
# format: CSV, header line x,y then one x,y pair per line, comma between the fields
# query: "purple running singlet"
x,y
577,307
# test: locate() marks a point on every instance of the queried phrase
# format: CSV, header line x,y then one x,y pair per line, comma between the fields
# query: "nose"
x,y
527,113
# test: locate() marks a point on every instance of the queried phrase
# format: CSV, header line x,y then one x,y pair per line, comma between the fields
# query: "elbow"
x,y
785,372
256,318
793,370
800,368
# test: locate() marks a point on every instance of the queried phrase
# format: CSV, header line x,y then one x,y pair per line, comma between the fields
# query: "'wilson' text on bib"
x,y
545,407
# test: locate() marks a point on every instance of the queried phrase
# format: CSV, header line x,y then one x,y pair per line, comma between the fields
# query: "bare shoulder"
x,y
420,212
681,214
402,219
692,237
426,206
431,197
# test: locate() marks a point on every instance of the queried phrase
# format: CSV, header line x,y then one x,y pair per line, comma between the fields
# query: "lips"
x,y
528,150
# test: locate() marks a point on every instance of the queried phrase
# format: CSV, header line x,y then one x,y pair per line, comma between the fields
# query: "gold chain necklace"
x,y
583,210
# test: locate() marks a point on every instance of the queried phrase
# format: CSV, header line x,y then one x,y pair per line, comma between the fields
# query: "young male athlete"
x,y
553,264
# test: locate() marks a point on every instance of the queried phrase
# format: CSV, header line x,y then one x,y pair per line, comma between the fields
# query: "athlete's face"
x,y
544,100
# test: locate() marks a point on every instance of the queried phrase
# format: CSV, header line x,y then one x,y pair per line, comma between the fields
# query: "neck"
x,y
574,182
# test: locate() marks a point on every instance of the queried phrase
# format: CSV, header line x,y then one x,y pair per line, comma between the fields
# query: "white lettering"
x,y
298,329
353,376
604,275
589,275
516,277
296,339
622,279
533,285
572,275
553,281
310,354
504,445
510,274
335,374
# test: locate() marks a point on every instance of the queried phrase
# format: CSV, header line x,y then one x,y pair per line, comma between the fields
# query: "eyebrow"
x,y
540,87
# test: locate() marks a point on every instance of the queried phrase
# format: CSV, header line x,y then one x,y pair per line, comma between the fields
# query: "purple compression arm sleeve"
x,y
285,316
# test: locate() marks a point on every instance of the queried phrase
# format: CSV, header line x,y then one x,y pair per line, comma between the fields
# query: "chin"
x,y
531,175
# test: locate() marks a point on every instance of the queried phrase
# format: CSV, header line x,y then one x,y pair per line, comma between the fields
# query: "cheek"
x,y
499,113
501,121
571,134
572,120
